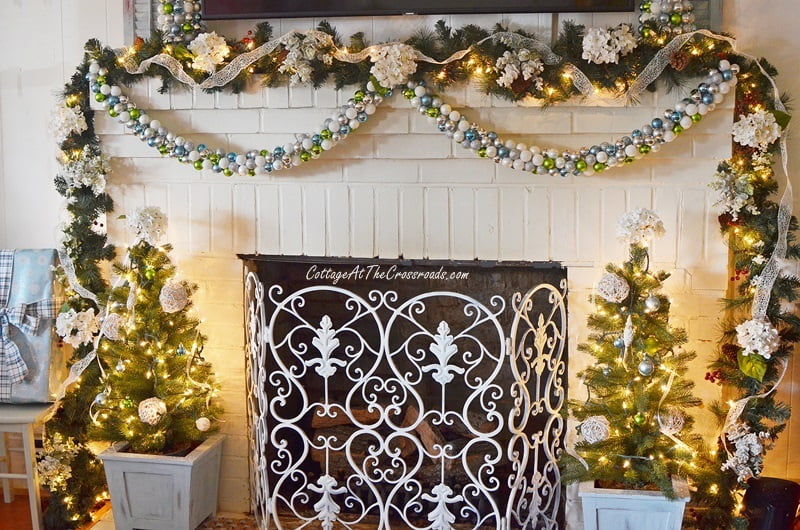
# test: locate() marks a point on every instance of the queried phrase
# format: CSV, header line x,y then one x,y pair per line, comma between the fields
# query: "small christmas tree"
x,y
158,389
634,431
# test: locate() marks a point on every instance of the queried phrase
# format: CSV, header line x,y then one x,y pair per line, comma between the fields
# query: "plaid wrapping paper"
x,y
22,317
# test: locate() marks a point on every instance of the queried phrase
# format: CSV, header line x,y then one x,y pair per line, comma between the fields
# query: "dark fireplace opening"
x,y
405,393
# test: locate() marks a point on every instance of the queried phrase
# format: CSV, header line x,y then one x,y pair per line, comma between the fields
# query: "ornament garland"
x,y
470,135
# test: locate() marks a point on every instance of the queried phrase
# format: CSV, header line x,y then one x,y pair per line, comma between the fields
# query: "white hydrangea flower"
x,y
66,121
639,226
54,468
149,223
393,64
209,50
607,46
758,336
512,64
302,48
758,129
747,459
735,192
89,169
77,328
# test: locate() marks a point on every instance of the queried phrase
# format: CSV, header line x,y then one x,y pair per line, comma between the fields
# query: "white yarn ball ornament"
x,y
203,424
613,288
111,324
173,297
671,421
595,429
152,410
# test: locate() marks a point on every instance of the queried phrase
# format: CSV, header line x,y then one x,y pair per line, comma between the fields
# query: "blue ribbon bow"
x,y
25,317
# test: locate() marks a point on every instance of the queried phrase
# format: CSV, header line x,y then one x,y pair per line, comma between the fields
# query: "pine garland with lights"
x,y
158,395
750,230
633,427
73,498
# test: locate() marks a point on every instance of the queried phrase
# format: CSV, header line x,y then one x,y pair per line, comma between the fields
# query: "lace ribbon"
x,y
669,435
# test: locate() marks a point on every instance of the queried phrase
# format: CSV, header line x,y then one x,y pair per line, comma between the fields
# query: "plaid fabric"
x,y
24,317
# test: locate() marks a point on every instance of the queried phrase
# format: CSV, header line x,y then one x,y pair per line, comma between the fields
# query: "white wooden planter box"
x,y
155,492
612,509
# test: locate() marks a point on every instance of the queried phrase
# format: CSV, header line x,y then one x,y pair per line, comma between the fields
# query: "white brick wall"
x,y
398,187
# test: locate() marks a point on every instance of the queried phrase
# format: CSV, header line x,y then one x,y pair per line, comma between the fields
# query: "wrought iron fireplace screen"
x,y
401,394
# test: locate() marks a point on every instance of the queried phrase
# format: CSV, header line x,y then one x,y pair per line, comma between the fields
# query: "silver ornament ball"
x,y
652,303
646,366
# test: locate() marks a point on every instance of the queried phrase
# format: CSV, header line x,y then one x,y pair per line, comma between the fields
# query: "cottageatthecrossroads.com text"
x,y
380,272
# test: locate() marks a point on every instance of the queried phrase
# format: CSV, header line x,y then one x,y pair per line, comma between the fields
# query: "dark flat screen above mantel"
x,y
232,9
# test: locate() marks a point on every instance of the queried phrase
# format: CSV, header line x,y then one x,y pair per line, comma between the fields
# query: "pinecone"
x,y
679,60
730,351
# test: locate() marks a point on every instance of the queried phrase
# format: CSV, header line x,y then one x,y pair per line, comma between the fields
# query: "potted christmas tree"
x,y
635,441
157,402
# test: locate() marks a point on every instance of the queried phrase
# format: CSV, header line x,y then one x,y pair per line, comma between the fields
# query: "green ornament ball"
x,y
100,97
149,273
432,112
316,149
598,167
305,156
168,8
639,418
198,164
134,113
675,19
187,27
326,134
677,129
227,172
549,163
696,117
113,113
644,149
482,152
409,93
581,165
359,96
651,344
101,79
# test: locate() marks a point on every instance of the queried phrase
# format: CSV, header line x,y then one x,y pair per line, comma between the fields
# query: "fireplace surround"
x,y
405,394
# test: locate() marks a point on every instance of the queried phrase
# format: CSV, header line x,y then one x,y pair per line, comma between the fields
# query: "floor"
x,y
17,516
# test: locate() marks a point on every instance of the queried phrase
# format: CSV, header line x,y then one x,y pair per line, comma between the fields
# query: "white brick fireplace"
x,y
399,188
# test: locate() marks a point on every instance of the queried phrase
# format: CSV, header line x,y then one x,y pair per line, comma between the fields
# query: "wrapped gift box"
x,y
32,365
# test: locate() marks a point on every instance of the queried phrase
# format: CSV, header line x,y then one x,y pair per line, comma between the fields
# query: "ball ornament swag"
x,y
111,326
173,297
595,429
613,288
151,410
203,424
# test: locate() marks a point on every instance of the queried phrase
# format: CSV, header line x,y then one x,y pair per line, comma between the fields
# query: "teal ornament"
x,y
619,343
181,351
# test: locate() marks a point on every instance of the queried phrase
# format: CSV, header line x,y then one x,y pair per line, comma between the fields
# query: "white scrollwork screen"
x,y
421,408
